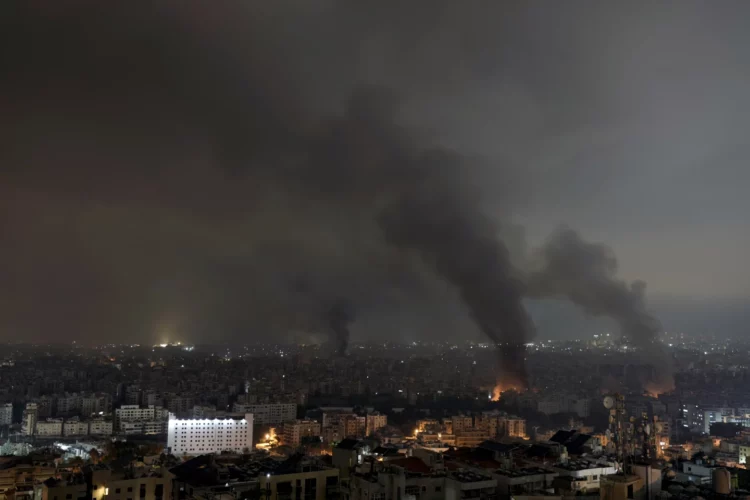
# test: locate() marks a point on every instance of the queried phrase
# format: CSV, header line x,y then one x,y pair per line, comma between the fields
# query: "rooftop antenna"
x,y
616,406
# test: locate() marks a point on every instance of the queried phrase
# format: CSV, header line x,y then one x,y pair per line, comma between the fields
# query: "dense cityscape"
x,y
206,421
371,250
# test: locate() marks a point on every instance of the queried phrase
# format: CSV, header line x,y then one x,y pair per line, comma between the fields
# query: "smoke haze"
x,y
177,171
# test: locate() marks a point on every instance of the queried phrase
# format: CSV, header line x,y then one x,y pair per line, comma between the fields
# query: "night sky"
x,y
224,171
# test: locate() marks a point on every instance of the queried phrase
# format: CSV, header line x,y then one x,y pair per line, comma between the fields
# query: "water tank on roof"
x,y
722,480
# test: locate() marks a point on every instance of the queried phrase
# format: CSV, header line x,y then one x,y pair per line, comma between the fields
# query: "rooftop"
x,y
411,464
208,470
522,472
348,444
576,465
469,477
621,478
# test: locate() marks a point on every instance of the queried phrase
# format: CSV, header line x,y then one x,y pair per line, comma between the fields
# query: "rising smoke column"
x,y
328,192
340,316
440,219
586,274
424,203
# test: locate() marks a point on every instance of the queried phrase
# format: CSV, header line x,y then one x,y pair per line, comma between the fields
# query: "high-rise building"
x,y
191,436
69,404
30,416
95,403
6,414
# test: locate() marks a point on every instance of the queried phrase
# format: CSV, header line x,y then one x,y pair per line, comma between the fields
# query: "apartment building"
x,y
6,413
75,427
68,405
133,419
374,422
295,430
273,413
190,436
49,427
144,483
30,416
101,427
18,472
352,426
181,405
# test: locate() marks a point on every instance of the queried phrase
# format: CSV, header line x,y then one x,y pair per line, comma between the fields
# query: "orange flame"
x,y
499,389
655,389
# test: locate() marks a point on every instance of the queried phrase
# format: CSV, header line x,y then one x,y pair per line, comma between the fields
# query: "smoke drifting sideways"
x,y
567,267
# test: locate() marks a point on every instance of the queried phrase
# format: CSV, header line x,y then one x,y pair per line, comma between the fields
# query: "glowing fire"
x,y
499,389
655,390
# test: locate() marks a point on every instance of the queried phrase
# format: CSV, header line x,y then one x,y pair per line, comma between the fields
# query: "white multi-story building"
x,y
191,436
100,427
132,419
6,414
74,427
49,427
95,403
69,404
274,413
135,412
584,476
30,416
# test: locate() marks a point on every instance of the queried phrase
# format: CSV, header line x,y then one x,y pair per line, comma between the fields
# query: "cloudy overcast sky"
x,y
126,209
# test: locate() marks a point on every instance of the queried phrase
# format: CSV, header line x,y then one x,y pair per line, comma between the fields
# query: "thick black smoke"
x,y
425,204
340,316
440,219
176,166
586,274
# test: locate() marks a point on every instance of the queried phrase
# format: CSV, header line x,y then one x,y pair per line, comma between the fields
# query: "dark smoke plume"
x,y
231,141
586,274
340,316
441,220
